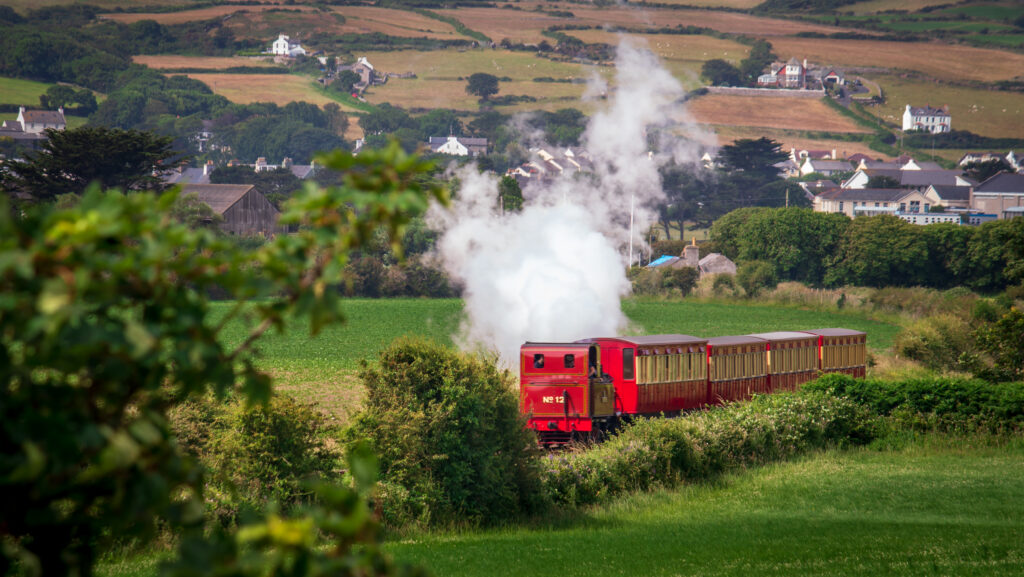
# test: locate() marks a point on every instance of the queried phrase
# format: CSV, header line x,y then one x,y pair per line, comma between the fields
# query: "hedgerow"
x,y
942,404
664,452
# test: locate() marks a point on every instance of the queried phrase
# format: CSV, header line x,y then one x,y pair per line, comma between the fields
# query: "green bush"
x,y
254,455
682,279
934,403
941,343
755,276
664,452
453,445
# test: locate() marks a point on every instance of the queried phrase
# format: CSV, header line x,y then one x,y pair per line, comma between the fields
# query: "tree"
x,y
757,156
483,85
720,73
71,160
57,96
345,81
105,326
755,276
883,181
753,65
879,251
982,171
510,194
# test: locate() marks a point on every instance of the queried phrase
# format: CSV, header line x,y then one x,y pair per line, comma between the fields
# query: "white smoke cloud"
x,y
556,271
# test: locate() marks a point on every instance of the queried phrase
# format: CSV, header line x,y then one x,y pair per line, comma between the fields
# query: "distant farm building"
x,y
246,212
458,145
283,46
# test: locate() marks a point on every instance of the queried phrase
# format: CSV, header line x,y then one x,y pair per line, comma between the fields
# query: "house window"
x,y
915,206
926,207
840,206
903,207
877,205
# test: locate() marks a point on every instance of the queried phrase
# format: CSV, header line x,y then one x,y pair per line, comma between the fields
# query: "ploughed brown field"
x,y
366,19
165,61
770,112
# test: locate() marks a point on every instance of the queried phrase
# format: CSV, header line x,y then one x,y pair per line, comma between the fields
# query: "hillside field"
x,y
18,91
942,61
277,88
322,369
993,113
770,112
933,506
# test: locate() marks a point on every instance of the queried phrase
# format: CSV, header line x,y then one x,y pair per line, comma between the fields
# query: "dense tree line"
x,y
832,250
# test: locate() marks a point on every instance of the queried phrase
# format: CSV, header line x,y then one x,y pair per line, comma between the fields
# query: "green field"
x,y
322,369
939,506
18,91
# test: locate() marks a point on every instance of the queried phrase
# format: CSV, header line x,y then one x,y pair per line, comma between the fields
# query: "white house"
x,y
458,146
36,121
934,120
825,167
285,47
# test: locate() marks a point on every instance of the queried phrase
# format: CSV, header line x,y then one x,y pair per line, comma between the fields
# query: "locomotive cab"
x,y
563,390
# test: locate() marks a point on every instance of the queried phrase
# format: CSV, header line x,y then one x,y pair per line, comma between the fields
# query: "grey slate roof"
x,y
926,177
927,111
1003,182
840,165
44,117
866,194
946,192
186,176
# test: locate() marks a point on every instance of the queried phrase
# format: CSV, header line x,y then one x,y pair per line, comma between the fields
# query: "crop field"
x,y
26,5
795,139
18,91
199,14
934,506
277,88
944,61
771,112
997,114
494,23
722,21
365,19
174,61
683,55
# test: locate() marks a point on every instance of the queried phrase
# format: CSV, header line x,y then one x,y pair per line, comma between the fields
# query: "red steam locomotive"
x,y
579,390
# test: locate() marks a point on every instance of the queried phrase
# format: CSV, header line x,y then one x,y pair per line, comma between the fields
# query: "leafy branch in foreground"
x,y
105,325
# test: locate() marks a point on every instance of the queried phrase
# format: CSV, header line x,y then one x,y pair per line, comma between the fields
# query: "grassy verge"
x,y
936,505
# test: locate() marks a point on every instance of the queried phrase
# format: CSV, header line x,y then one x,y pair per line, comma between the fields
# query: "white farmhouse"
x,y
285,47
934,120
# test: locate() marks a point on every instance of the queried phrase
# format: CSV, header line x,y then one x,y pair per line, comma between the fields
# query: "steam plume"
x,y
556,270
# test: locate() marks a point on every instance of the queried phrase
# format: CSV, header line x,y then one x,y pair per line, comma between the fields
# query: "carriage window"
x,y
538,361
627,364
570,361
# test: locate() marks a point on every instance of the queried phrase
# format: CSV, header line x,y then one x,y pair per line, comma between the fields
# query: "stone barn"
x,y
245,210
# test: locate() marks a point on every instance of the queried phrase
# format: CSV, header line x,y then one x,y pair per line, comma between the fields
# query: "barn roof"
x,y
220,197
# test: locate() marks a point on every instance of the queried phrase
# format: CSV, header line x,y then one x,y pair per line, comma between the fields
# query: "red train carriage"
x,y
563,390
792,359
656,373
842,351
737,368
574,390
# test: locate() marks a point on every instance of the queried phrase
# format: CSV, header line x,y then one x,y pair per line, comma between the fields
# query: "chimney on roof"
x,y
691,254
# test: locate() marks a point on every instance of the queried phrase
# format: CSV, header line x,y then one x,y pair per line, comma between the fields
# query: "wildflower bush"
x,y
664,452
944,404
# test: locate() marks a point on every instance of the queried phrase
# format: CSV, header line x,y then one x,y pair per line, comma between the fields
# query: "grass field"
x,y
208,13
872,6
937,506
18,91
278,88
722,21
440,78
163,61
944,61
997,114
365,19
26,5
771,112
322,369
